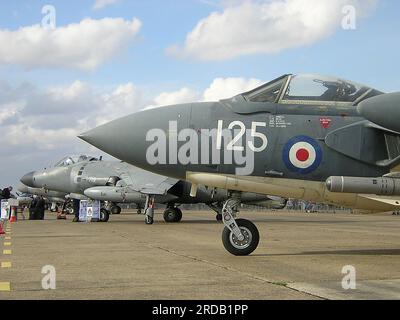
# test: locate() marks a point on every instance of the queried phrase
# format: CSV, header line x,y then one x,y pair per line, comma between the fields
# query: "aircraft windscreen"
x,y
311,87
268,92
70,160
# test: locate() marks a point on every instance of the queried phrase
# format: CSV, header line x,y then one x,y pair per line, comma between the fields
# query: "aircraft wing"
x,y
145,182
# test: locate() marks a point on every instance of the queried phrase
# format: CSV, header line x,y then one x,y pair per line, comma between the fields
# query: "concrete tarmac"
x,y
300,256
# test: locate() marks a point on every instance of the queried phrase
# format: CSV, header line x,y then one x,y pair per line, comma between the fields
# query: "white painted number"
x,y
256,134
219,134
232,146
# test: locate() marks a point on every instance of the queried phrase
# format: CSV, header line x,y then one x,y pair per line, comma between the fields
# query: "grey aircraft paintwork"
x,y
50,195
118,182
307,131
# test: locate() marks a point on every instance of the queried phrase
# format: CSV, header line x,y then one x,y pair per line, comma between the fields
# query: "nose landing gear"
x,y
240,237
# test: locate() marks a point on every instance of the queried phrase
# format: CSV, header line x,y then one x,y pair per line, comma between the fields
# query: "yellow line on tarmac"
x,y
6,264
5,286
7,252
7,244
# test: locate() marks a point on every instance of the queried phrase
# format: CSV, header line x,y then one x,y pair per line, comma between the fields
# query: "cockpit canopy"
x,y
70,160
311,89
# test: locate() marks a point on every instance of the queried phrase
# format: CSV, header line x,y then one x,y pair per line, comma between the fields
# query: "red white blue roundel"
x,y
302,154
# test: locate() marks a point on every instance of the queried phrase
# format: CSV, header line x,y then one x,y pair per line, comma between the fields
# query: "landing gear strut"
x,y
172,214
240,237
217,207
149,210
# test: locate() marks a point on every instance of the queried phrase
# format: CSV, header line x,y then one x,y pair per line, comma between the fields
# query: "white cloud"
x,y
100,4
10,110
58,114
220,88
264,26
83,45
125,99
223,88
183,95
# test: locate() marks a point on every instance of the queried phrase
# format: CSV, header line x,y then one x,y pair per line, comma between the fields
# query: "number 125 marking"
x,y
242,131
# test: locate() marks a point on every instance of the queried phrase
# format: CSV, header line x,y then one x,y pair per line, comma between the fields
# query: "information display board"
x,y
5,209
89,210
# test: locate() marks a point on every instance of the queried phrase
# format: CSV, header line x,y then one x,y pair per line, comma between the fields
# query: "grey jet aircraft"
x,y
114,182
311,137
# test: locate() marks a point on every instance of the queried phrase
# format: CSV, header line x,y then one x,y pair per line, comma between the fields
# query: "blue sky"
x,y
44,104
367,54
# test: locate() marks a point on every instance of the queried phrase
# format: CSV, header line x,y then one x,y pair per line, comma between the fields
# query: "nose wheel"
x,y
240,237
246,244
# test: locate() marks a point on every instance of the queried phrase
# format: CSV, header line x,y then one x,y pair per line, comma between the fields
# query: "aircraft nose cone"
x,y
28,179
130,138
116,137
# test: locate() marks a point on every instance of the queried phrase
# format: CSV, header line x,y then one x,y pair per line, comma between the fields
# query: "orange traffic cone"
x,y
1,228
13,217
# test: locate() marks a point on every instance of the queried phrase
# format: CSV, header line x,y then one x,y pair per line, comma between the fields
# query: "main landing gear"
x,y
217,207
104,215
240,237
172,214
115,209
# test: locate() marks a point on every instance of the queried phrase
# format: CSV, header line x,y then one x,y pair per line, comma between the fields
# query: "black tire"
x,y
172,215
179,215
70,210
104,215
116,210
252,236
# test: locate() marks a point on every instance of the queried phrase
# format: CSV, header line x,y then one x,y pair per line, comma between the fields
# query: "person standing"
x,y
6,193
32,208
40,208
